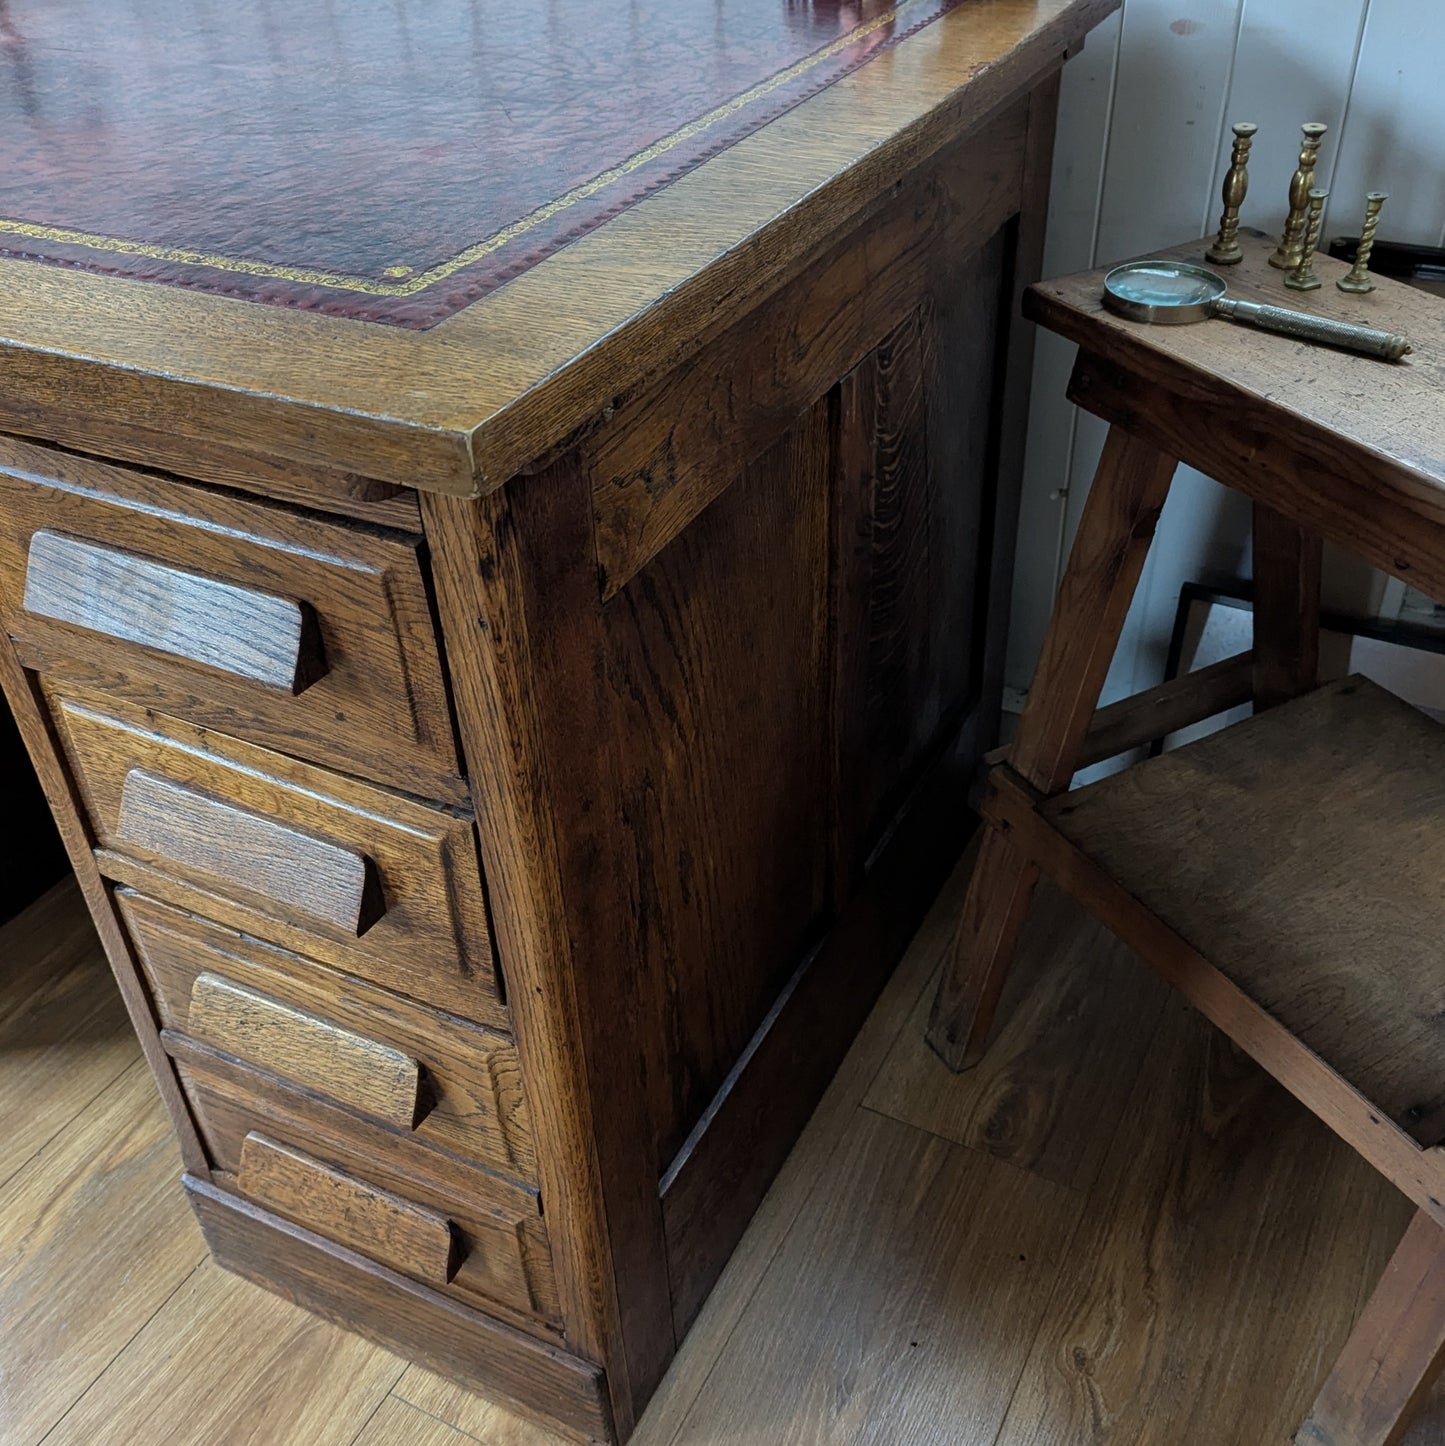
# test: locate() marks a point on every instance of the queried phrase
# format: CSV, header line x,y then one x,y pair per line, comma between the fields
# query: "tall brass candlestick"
x,y
1358,276
1225,251
1286,255
1303,277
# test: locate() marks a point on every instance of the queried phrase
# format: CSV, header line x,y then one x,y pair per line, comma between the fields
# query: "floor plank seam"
x,y
1074,1190
49,1140
386,1396
420,1410
139,1330
1060,1282
840,1139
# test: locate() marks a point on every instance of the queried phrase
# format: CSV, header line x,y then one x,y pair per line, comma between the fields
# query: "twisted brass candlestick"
x,y
1358,277
1303,277
1286,255
1225,251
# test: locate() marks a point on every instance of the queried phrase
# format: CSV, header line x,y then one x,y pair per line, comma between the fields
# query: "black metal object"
x,y
1396,258
1405,635
31,855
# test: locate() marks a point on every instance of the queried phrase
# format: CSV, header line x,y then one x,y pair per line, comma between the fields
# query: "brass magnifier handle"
x,y
1367,339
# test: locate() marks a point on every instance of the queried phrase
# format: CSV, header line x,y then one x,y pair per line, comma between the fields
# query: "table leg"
x,y
1128,492
1286,608
1394,1353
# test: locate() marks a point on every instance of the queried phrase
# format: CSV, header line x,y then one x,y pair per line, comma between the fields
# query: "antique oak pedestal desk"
x,y
504,523
1284,873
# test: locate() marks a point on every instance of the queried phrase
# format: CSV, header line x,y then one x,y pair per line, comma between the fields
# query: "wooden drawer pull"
x,y
312,1052
410,1238
254,635
305,875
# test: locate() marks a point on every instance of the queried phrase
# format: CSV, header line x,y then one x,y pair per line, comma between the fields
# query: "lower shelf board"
x,y
1301,853
567,1394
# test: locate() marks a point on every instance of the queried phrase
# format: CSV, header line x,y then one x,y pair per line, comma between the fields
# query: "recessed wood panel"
x,y
916,456
718,653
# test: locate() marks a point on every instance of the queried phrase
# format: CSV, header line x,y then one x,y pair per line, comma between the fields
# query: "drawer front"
x,y
376,884
477,1238
245,617
410,1238
428,1075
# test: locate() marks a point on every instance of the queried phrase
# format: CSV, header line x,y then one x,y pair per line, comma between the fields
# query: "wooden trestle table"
x,y
1284,873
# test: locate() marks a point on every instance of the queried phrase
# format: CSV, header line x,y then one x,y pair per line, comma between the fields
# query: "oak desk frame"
x,y
711,515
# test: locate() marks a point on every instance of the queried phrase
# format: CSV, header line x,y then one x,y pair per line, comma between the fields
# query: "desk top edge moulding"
x,y
810,127
505,741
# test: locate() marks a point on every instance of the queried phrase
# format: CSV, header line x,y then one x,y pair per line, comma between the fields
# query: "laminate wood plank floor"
x,y
1115,1230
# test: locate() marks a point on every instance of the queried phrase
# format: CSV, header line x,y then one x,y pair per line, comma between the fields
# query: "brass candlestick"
x,y
1303,277
1286,255
1358,276
1225,251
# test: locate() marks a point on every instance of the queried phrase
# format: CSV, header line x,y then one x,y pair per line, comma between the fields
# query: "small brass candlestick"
x,y
1286,256
1225,251
1358,276
1303,277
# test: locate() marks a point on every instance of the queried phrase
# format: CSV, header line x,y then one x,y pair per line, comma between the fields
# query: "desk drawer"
x,y
306,635
376,884
473,1236
423,1074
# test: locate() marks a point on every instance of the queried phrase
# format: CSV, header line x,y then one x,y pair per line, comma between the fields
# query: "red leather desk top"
x,y
384,160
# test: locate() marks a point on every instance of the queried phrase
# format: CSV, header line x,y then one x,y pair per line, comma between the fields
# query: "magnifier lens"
x,y
1163,286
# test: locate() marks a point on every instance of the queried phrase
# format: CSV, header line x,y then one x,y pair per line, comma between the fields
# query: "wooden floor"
x,y
1115,1230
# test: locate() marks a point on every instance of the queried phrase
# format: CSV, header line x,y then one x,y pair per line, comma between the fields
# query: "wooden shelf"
x,y
1302,852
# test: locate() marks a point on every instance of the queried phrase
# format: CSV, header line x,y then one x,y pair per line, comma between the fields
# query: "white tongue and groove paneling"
x,y
1141,168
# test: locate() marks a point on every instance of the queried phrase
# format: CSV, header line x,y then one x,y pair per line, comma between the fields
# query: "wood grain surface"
x,y
669,449
372,1077
1420,1174
1301,853
273,1373
1394,1354
365,589
1349,446
1157,712
1216,1186
566,1393
1074,993
503,1263
467,404
398,1232
431,942
292,872
711,1189
255,635
74,1220
398,1424
471,1095
1215,1182
38,731
742,593
64,1035
1287,563
907,1333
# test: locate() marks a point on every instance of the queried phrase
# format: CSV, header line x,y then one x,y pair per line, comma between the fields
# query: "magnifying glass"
x,y
1174,293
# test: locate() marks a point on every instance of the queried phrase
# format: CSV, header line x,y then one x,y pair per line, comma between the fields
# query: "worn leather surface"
x,y
385,160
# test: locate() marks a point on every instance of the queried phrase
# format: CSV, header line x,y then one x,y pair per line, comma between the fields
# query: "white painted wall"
x,y
1142,148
